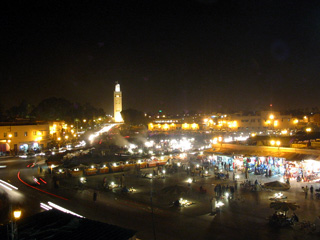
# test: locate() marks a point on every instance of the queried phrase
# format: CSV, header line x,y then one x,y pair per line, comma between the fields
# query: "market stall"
x,y
305,170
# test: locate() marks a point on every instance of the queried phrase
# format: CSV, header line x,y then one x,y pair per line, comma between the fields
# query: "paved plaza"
x,y
246,213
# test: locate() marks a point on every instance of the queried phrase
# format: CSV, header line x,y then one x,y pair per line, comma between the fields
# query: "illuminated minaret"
x,y
117,103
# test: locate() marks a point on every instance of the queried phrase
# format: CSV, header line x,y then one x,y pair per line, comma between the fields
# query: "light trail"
x,y
103,130
8,184
5,187
64,209
39,188
45,206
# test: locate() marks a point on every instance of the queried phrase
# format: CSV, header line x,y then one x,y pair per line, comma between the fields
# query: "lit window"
x,y
25,134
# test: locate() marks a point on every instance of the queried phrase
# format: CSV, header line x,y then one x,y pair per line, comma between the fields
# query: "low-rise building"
x,y
24,136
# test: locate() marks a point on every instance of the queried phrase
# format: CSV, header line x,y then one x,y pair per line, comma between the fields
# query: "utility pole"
x,y
153,226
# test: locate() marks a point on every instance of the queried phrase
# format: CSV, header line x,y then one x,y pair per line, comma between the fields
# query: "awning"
x,y
299,157
287,155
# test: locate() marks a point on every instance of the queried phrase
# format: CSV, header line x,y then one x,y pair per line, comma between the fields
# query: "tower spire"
x,y
117,103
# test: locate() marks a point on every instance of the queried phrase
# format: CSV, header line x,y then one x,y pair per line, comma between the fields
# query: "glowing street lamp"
x,y
308,129
17,214
51,167
272,142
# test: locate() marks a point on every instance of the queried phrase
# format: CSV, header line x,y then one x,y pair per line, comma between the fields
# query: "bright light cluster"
x,y
183,144
81,144
103,130
149,144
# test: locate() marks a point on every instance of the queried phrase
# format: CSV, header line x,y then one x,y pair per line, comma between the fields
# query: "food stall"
x,y
76,172
306,170
116,166
92,170
104,169
142,163
152,162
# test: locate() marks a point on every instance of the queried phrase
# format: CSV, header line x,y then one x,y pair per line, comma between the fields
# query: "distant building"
x,y
265,121
117,104
256,123
24,136
173,124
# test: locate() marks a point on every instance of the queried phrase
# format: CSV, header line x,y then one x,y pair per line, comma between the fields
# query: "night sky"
x,y
176,56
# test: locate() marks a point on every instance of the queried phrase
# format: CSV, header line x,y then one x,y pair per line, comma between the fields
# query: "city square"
x,y
138,120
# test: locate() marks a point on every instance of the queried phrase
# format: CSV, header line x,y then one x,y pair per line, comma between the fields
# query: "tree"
x,y
54,109
91,112
23,110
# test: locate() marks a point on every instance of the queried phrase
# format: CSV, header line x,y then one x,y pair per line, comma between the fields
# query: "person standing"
x,y
223,190
122,180
306,189
95,196
219,190
216,190
311,191
232,191
104,182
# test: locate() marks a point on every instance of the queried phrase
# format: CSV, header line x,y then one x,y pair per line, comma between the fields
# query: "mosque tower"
x,y
117,103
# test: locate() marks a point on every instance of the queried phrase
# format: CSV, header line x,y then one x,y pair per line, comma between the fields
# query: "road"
x,y
242,218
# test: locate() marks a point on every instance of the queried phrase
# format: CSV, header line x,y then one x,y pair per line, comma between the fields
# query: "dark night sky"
x,y
200,55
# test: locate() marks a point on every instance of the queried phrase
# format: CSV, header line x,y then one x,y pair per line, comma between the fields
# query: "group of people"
x,y
281,219
306,190
221,190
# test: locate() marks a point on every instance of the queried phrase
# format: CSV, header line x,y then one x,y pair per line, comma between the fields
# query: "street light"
x,y
51,167
17,214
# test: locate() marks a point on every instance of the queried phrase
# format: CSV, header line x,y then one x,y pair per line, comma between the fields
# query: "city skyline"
x,y
201,55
